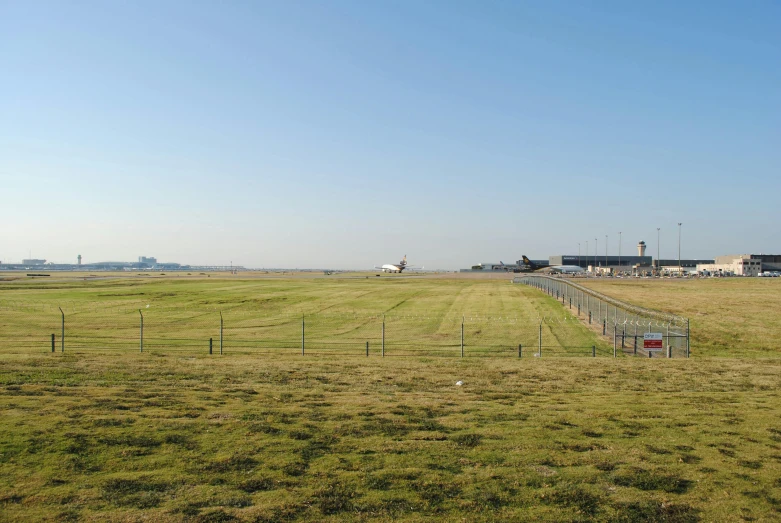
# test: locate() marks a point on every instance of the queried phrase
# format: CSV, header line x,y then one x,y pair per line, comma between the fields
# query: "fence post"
x,y
52,342
520,349
604,327
220,333
367,349
211,341
593,351
570,303
141,346
669,347
462,336
62,335
539,346
614,340
589,317
687,337
303,334
623,336
383,335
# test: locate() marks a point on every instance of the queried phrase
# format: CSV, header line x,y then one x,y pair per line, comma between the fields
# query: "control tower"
x,y
79,258
641,249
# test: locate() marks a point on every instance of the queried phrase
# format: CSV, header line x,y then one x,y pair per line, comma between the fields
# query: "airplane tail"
x,y
528,262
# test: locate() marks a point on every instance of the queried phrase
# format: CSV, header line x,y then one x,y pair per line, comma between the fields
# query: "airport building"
x,y
769,262
601,261
732,265
507,267
741,265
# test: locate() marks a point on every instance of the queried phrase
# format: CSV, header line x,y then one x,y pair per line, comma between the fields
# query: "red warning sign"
x,y
653,341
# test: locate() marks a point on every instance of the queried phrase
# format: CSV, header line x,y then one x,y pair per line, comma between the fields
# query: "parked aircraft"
x,y
397,267
555,269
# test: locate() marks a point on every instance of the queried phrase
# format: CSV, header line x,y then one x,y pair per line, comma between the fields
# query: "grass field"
x,y
729,316
341,315
127,437
114,435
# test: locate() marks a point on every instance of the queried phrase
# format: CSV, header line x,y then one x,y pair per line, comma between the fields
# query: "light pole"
x,y
619,250
679,248
658,264
586,253
596,250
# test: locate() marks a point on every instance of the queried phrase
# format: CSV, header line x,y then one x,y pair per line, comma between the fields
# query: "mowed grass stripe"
x,y
420,313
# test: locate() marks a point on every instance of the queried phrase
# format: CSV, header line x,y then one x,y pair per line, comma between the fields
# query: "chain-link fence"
x,y
80,327
633,330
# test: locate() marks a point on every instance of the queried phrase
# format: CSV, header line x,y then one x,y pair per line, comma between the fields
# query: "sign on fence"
x,y
652,341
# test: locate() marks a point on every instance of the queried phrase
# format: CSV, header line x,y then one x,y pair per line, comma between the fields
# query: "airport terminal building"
x,y
601,261
624,262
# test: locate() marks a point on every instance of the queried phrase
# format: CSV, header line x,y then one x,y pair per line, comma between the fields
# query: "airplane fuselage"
x,y
392,268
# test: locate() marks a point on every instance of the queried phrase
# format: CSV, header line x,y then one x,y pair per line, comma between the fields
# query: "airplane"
x,y
398,267
555,269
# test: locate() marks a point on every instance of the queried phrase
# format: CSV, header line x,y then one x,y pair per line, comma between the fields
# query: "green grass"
x,y
176,437
729,316
341,315
104,433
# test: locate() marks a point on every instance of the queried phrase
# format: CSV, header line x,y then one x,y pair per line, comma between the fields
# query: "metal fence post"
x,y
604,327
599,310
367,349
141,344
593,351
62,335
383,335
52,342
462,336
687,337
520,349
539,346
589,317
220,333
614,341
211,342
303,338
669,347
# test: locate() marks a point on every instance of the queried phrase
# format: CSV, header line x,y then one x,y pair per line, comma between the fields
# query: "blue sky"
x,y
346,134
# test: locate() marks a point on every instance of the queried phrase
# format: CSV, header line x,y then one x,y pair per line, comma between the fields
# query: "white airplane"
x,y
397,267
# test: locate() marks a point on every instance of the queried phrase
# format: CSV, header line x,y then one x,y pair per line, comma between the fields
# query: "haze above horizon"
x,y
346,134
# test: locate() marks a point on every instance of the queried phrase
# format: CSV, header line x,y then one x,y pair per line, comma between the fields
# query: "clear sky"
x,y
346,134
